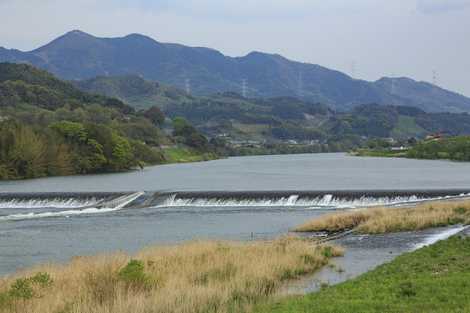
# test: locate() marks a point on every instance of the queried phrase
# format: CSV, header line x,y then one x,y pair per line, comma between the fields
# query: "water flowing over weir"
x,y
13,206
313,199
22,206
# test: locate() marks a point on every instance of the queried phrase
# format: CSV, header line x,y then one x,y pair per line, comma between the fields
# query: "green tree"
x,y
155,115
122,155
190,135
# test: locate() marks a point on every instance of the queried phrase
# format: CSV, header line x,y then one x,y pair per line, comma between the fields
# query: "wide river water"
x,y
38,230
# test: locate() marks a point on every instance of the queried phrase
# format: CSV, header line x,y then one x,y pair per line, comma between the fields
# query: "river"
x,y
38,229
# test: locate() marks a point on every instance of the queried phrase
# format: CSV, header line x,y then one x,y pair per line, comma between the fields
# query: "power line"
x,y
435,77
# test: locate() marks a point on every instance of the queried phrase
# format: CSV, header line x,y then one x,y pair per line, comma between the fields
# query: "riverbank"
x,y
435,148
195,277
171,155
381,153
390,219
187,155
432,279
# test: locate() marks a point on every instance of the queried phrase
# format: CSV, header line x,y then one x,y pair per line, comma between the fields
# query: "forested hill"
x,y
135,90
48,127
77,55
282,118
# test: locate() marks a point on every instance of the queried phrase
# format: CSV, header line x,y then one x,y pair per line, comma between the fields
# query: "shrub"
x,y
43,280
407,289
27,288
21,289
134,276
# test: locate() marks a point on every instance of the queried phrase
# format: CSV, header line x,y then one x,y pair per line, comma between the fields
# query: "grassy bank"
x,y
385,220
382,153
452,148
189,278
186,155
433,279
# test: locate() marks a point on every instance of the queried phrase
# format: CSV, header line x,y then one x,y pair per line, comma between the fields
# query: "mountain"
x,y
77,55
49,127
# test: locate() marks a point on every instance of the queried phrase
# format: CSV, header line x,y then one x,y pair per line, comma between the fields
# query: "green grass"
x,y
385,153
433,279
186,155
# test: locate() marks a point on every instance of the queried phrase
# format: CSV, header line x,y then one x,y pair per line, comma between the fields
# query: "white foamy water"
x,y
73,206
71,203
440,236
110,206
325,202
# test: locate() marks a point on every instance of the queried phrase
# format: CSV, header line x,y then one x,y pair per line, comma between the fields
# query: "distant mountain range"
x,y
77,56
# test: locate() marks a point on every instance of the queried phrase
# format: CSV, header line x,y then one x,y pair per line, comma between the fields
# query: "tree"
x,y
190,135
155,115
23,152
122,155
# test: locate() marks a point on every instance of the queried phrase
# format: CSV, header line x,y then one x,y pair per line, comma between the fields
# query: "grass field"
x,y
186,155
386,220
199,277
434,279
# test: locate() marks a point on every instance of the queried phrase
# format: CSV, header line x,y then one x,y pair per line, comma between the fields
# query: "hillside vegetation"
x,y
281,119
135,90
457,149
451,148
48,127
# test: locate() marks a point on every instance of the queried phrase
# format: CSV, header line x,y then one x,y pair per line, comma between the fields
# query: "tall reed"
x,y
390,219
195,277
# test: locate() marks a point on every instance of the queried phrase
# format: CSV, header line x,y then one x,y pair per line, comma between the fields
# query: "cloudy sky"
x,y
364,38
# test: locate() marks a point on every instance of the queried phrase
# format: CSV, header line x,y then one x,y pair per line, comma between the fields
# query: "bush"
x,y
134,276
21,289
407,289
43,280
27,288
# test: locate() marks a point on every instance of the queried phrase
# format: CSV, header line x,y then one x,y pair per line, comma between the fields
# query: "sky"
x,y
367,39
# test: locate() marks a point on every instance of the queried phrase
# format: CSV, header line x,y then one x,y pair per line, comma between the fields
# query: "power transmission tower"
x,y
353,69
434,77
187,84
300,91
244,88
393,87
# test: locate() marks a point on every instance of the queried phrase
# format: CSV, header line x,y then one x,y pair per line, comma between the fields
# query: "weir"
x,y
326,198
20,206
55,200
13,206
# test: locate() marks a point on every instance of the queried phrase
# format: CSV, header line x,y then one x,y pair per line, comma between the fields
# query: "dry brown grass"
x,y
385,220
189,278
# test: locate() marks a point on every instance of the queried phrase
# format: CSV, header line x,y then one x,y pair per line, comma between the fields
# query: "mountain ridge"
x,y
77,55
